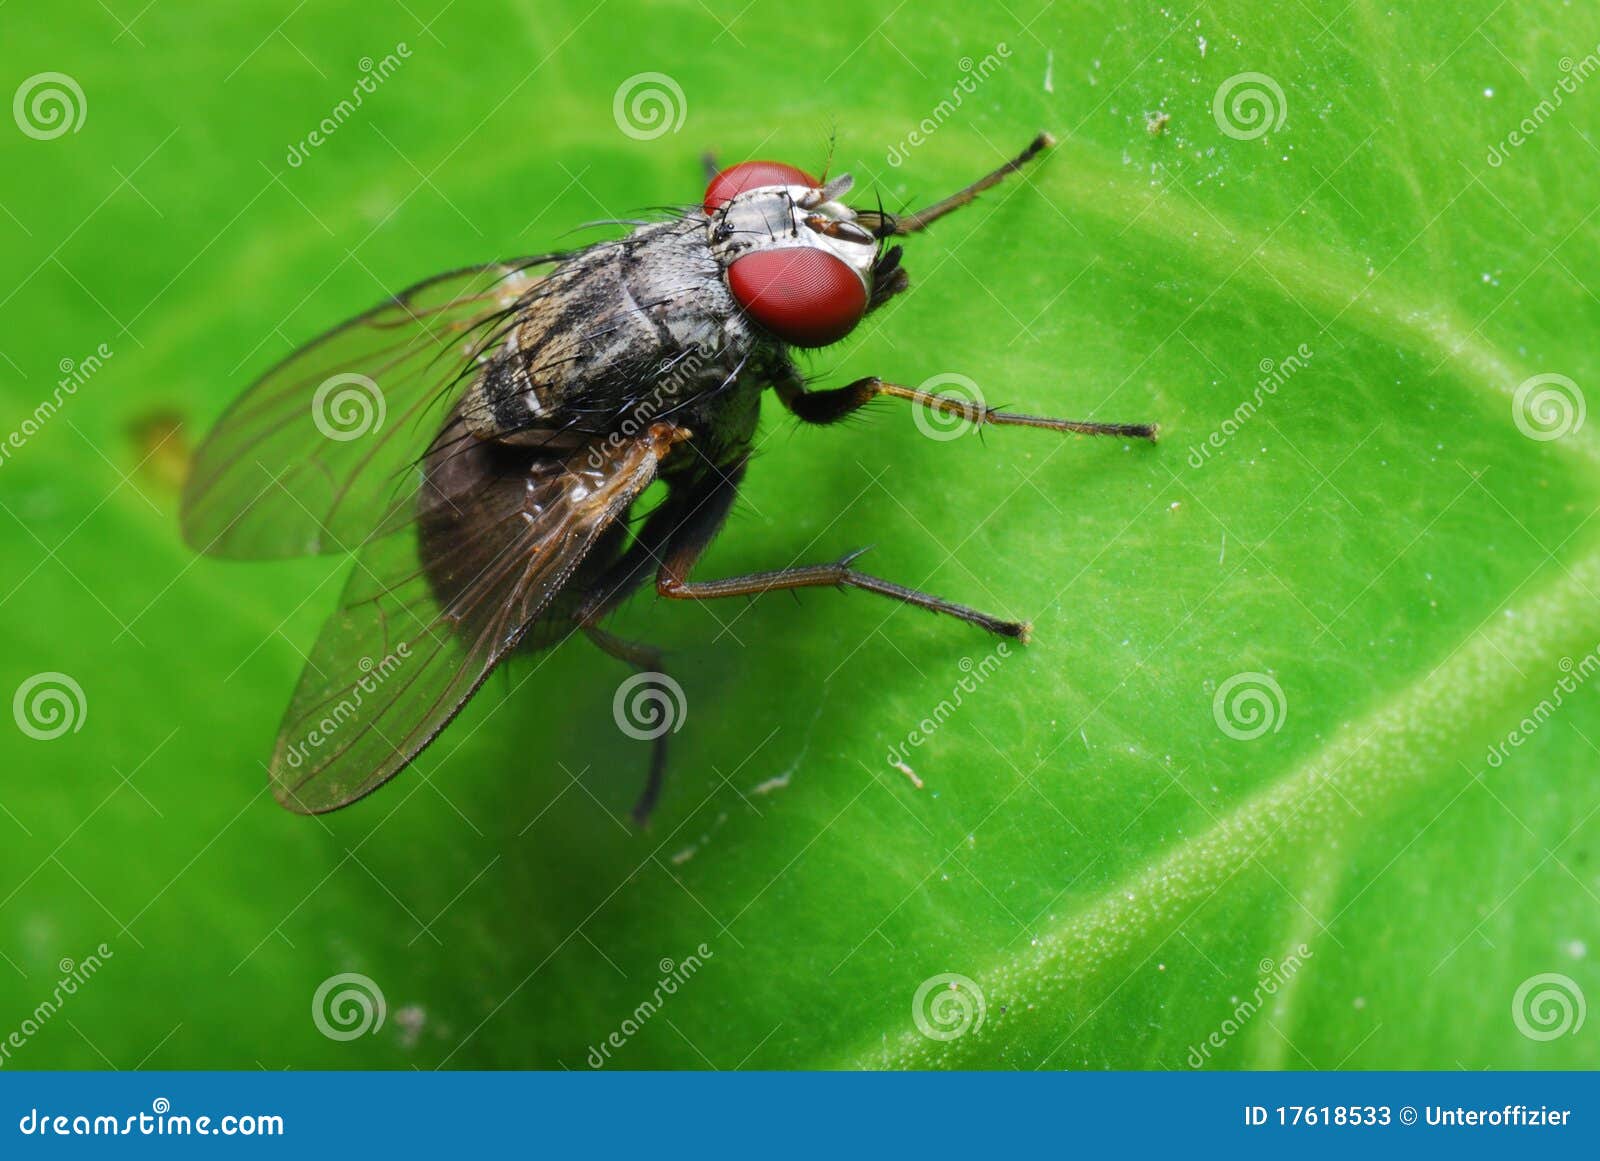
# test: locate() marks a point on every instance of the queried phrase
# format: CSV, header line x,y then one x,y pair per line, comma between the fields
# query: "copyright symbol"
x,y
1408,1116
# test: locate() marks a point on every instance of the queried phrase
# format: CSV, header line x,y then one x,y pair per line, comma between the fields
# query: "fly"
x,y
478,442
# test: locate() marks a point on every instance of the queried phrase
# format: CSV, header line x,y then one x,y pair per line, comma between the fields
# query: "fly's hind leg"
x,y
688,515
673,581
646,659
679,532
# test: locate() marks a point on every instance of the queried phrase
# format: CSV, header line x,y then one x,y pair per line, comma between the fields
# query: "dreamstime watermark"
x,y
649,705
649,105
1574,674
373,74
1548,1006
1274,374
348,1006
1272,977
1249,105
373,675
73,976
348,406
1547,407
675,376
948,1006
49,105
74,374
1249,704
160,1121
974,674
47,705
673,977
975,73
945,423
1576,73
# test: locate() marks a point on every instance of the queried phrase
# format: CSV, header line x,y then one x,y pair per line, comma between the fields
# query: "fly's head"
x,y
795,258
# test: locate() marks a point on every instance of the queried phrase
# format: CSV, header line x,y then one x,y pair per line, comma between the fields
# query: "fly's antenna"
x,y
827,164
883,225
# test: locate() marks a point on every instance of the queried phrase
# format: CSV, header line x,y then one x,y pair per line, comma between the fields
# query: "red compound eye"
x,y
752,175
806,297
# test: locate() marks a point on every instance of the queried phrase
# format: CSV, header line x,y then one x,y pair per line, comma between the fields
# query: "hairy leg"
x,y
832,405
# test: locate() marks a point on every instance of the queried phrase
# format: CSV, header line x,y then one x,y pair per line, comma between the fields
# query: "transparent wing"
x,y
322,453
427,614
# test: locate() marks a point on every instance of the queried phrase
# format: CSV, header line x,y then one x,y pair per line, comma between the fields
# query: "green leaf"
x,y
1298,770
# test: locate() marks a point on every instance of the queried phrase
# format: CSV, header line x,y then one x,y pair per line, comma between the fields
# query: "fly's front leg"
x,y
830,406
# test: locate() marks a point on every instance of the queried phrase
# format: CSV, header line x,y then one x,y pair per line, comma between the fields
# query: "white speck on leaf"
x,y
410,1020
908,772
778,782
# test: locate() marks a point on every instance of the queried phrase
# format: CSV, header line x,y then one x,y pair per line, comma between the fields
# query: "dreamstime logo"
x,y
974,674
74,975
948,1006
348,1006
1272,976
348,707
1249,105
1274,374
1249,704
1576,73
649,105
678,374
1573,675
74,374
49,105
946,424
47,705
1548,1006
649,705
1548,407
373,74
975,73
347,407
673,977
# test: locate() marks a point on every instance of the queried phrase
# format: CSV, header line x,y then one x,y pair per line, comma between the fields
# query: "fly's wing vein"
x,y
428,613
321,453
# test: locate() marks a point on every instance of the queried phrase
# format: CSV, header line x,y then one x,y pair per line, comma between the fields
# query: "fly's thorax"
x,y
795,260
618,325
